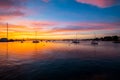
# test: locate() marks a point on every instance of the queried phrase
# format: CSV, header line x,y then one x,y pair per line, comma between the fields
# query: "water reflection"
x,y
59,60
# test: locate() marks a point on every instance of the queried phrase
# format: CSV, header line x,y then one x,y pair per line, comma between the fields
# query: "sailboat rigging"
x,y
94,41
36,40
76,41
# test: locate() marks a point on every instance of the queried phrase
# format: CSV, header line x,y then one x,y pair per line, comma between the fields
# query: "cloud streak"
x,y
87,27
49,26
55,28
100,3
11,8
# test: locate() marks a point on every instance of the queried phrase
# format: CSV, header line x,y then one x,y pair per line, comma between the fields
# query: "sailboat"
x,y
36,41
76,41
94,42
5,39
22,41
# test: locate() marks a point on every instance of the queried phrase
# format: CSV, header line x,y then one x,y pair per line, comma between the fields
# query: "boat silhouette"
x,y
6,39
76,41
36,40
94,41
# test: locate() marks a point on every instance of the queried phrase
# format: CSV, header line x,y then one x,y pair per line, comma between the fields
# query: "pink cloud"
x,y
12,8
69,27
99,3
11,13
11,3
84,26
42,23
4,15
51,26
38,25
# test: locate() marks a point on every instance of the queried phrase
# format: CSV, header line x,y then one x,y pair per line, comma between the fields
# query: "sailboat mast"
x,y
7,30
76,35
35,35
95,35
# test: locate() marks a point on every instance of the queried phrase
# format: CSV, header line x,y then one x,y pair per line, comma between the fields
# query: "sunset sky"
x,y
59,19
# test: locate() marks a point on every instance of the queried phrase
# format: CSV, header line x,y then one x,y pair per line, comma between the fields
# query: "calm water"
x,y
59,61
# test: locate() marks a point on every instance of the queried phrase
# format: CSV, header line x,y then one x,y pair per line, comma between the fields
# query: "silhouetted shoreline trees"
x,y
109,38
106,38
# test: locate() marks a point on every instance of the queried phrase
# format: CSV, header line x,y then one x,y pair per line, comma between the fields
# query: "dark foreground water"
x,y
59,61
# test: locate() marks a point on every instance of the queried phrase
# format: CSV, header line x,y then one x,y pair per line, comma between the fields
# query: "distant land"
x,y
105,38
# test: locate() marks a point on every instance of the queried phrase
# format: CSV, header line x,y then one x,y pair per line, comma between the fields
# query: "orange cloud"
x,y
100,3
14,28
52,29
